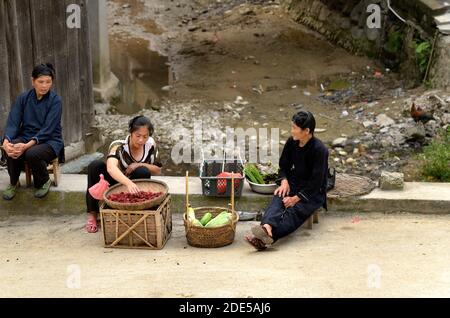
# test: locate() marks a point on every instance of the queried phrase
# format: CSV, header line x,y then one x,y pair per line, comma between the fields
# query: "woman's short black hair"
x,y
138,122
46,69
305,119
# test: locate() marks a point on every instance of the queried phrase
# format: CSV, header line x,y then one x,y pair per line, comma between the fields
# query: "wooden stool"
x,y
314,218
53,167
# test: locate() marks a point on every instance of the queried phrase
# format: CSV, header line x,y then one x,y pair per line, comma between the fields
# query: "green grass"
x,y
435,160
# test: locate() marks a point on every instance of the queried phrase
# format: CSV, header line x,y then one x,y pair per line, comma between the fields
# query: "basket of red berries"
x,y
153,193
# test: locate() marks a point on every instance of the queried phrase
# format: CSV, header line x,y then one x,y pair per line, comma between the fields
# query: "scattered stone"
x,y
228,107
445,118
386,141
246,11
339,142
350,161
240,101
343,153
383,120
101,109
391,180
431,128
156,107
193,28
368,123
117,132
415,132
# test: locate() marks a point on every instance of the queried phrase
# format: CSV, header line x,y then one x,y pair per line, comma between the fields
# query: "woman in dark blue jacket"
x,y
303,184
33,132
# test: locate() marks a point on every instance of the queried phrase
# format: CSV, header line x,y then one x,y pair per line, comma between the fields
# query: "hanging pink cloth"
x,y
98,189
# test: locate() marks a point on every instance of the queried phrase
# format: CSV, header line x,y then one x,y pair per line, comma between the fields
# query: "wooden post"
x,y
310,223
316,217
231,204
56,172
27,175
187,191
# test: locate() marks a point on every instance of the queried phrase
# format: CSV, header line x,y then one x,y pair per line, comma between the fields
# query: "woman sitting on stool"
x,y
303,174
134,158
33,132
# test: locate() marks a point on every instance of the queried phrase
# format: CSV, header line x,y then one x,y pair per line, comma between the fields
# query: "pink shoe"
x,y
91,225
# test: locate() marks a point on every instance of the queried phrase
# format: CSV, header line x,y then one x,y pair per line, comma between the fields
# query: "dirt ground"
x,y
346,255
209,53
218,51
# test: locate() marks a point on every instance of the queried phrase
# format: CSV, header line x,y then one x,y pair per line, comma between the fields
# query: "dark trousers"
x,y
98,167
38,157
285,221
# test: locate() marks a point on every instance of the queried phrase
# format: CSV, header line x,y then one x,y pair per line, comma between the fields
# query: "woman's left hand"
x,y
131,168
291,201
18,150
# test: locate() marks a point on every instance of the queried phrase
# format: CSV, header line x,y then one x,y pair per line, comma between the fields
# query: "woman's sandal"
x,y
91,225
256,243
260,232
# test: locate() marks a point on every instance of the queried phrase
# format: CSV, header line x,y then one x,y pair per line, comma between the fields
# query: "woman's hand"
x,y
291,201
131,168
21,147
132,187
14,151
18,150
8,147
283,189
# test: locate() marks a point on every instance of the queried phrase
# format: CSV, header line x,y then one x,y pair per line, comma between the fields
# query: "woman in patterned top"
x,y
136,157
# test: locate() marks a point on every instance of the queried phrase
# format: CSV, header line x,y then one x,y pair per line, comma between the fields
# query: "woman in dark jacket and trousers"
x,y
303,176
33,132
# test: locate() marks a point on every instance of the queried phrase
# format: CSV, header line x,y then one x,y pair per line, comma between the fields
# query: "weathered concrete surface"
x,y
69,198
369,255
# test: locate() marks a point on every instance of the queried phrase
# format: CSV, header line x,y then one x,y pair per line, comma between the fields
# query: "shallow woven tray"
x,y
210,236
348,185
144,185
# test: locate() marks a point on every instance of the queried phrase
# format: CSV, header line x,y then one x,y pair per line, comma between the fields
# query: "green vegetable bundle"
x,y
253,174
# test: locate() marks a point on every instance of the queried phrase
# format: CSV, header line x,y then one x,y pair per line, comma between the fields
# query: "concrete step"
x,y
442,19
445,28
69,198
435,4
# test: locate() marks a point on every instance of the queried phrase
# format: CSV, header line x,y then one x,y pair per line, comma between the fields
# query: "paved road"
x,y
368,255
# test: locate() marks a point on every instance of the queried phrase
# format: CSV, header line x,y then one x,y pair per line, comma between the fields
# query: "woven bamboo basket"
x,y
147,185
143,229
213,236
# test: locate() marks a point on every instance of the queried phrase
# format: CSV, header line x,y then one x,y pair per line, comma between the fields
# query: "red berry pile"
x,y
127,197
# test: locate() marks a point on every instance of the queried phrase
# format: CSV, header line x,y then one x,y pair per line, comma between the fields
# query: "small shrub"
x,y
436,158
423,52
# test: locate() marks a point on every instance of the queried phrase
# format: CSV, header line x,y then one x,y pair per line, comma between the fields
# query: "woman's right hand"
x,y
283,190
8,147
132,187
